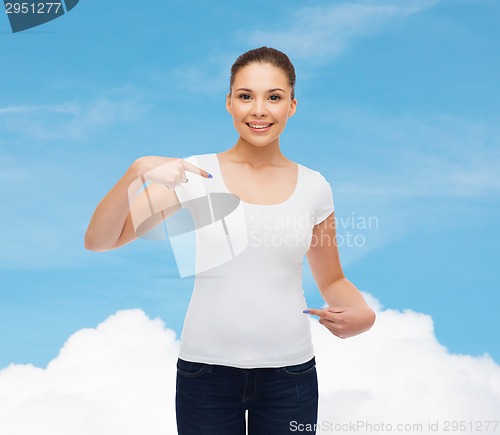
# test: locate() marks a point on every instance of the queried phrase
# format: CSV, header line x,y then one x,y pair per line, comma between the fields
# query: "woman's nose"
x,y
259,108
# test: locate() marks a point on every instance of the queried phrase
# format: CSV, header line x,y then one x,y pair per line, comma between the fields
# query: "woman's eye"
x,y
245,96
274,97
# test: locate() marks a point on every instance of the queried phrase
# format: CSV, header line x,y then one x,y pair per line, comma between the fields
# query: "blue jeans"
x,y
212,399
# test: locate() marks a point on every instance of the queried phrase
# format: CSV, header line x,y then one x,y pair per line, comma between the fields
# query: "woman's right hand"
x,y
111,225
167,171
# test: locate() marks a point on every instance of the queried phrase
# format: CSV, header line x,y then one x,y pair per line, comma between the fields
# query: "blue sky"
x,y
398,107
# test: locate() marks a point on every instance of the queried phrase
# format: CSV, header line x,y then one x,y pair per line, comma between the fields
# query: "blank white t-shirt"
x,y
247,311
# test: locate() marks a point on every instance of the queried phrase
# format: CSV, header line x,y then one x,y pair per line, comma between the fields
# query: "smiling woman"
x,y
261,95
246,342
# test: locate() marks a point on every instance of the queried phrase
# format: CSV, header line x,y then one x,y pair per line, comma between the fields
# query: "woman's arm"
x,y
112,226
347,313
108,221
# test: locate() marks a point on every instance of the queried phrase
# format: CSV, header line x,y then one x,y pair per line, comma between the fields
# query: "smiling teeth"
x,y
259,126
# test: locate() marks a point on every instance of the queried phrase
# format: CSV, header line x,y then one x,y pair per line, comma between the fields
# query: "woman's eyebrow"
x,y
249,90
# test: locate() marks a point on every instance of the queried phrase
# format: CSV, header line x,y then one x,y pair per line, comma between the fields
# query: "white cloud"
x,y
210,77
309,33
431,173
70,120
427,157
120,379
398,372
315,32
115,379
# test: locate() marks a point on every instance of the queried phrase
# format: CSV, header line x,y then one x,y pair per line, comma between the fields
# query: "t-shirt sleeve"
x,y
324,200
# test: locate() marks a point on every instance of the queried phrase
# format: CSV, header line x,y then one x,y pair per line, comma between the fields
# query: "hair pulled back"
x,y
265,55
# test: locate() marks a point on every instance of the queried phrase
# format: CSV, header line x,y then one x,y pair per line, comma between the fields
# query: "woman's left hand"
x,y
344,322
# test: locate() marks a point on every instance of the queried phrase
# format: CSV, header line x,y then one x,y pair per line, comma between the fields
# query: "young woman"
x,y
246,342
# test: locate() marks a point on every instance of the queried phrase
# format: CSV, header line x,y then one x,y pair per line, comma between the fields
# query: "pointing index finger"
x,y
195,169
315,311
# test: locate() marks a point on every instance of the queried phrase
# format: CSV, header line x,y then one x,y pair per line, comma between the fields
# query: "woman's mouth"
x,y
259,127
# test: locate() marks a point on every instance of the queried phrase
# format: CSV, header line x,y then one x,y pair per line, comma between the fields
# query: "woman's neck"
x,y
256,156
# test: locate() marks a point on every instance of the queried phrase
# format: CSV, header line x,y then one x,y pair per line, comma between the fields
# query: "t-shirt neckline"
x,y
286,201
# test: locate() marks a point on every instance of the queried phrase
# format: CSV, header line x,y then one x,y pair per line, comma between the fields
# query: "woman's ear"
x,y
228,104
293,108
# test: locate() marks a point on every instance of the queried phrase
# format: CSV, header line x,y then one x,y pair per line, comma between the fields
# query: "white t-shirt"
x,y
246,311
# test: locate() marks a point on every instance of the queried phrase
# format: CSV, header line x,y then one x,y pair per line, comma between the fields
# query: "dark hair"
x,y
265,55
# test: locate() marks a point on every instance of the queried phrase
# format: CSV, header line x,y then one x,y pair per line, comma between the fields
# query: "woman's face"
x,y
260,103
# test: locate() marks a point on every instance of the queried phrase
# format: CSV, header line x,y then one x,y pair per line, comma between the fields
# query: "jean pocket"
x,y
300,369
190,368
